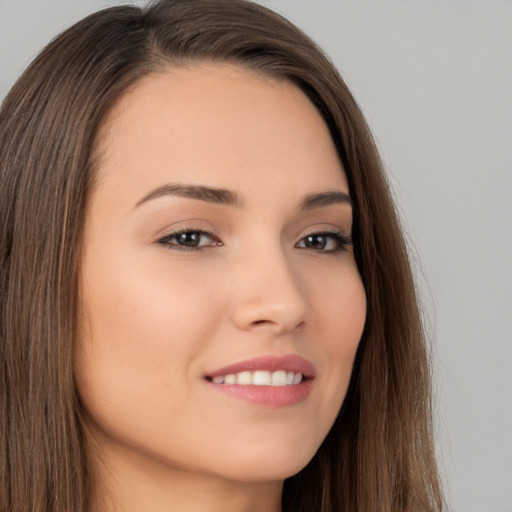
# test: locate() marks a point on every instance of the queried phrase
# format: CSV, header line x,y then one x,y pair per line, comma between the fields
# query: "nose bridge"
x,y
269,292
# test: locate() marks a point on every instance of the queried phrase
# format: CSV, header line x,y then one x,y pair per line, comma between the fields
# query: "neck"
x,y
132,484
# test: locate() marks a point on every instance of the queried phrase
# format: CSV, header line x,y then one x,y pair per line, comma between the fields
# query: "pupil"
x,y
189,239
315,241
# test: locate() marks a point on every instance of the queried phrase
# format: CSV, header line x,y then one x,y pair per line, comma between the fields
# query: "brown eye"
x,y
325,242
189,240
318,242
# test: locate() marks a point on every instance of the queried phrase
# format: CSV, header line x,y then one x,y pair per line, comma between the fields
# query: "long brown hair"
x,y
379,455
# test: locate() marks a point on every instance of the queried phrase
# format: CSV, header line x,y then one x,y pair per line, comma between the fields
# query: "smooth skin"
x,y
261,275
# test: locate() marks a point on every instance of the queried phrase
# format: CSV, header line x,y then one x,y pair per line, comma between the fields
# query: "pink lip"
x,y
290,363
269,396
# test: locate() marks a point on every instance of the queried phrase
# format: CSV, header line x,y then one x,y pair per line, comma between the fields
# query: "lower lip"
x,y
270,396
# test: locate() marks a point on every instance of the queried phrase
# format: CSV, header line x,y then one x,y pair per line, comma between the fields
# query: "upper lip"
x,y
271,363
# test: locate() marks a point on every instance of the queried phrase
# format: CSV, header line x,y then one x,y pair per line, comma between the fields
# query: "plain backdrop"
x,y
434,79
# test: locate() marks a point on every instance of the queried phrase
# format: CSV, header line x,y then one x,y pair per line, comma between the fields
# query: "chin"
x,y
263,465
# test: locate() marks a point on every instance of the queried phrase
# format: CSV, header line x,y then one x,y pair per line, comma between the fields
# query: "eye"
x,y
328,242
189,240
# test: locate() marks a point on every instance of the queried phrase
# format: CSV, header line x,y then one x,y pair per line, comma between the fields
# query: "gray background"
x,y
435,81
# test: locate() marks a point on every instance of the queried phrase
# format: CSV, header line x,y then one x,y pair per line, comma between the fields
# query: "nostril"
x,y
281,309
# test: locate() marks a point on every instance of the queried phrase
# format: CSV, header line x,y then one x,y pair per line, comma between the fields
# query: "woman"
x,y
206,297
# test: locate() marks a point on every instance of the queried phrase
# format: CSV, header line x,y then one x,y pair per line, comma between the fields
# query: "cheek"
x,y
144,310
340,318
141,330
338,300
345,316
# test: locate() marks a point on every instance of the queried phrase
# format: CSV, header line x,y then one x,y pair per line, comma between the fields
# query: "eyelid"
x,y
336,233
183,225
165,239
344,240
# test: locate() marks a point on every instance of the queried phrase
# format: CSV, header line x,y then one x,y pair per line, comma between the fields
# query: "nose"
x,y
269,295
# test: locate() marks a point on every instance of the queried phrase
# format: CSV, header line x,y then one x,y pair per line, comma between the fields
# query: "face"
x,y
222,305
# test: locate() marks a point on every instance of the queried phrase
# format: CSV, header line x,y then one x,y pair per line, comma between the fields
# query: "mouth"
x,y
278,378
266,380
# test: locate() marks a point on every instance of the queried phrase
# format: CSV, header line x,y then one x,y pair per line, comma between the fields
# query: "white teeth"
x,y
278,378
230,379
260,378
244,378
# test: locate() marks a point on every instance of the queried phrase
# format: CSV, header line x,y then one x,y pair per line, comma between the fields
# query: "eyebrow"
x,y
325,199
210,195
228,197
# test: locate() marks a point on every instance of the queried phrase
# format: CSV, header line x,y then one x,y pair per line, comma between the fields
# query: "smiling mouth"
x,y
269,380
279,378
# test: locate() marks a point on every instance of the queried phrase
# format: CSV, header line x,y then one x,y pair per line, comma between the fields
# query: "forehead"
x,y
219,124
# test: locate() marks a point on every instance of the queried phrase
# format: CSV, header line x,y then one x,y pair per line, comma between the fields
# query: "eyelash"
x,y
342,241
167,240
